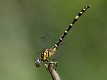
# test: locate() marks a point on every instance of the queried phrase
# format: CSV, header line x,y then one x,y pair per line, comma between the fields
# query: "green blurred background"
x,y
22,22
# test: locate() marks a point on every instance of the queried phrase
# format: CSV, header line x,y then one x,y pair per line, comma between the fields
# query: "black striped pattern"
x,y
70,26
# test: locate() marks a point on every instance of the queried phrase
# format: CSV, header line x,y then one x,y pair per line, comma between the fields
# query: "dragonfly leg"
x,y
50,62
54,63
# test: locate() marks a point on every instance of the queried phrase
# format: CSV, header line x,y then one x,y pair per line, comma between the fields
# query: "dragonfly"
x,y
46,54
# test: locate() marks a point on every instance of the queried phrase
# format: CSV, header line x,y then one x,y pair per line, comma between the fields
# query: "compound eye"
x,y
38,62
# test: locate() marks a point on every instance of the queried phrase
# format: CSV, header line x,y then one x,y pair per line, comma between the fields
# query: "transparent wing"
x,y
45,39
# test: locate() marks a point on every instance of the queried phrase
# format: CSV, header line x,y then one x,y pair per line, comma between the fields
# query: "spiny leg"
x,y
51,62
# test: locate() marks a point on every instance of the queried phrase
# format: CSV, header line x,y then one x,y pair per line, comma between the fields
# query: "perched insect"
x,y
47,53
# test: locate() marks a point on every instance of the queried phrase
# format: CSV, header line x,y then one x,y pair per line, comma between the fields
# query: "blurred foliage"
x,y
22,22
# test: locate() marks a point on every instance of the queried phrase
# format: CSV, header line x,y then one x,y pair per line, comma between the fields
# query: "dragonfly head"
x,y
38,62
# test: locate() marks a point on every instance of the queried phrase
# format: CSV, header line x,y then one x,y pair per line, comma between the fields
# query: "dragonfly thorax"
x,y
46,54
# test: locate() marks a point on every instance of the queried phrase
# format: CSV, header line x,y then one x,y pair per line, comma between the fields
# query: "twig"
x,y
52,70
